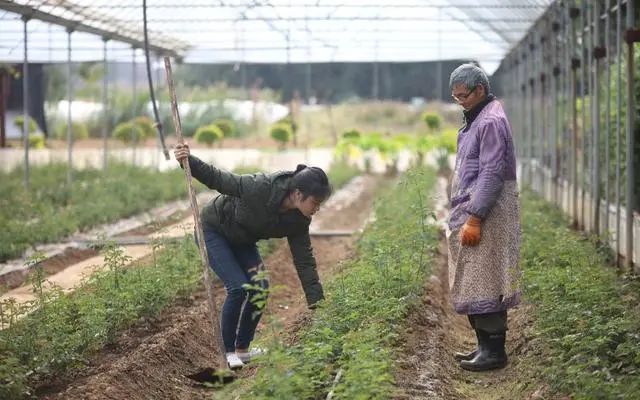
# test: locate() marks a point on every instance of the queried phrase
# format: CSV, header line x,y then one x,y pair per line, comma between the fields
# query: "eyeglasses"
x,y
463,97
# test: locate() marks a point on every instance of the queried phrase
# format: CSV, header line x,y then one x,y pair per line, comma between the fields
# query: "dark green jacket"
x,y
247,210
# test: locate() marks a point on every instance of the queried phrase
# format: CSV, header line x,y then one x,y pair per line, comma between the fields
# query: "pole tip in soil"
x,y
213,376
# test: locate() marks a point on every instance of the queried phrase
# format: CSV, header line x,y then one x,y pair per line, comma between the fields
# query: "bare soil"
x,y
50,266
150,360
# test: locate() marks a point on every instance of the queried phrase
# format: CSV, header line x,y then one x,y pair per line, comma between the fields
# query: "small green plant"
x,y
79,131
209,134
288,121
128,132
146,126
422,144
351,134
115,259
282,133
448,140
36,138
433,121
32,125
36,141
227,126
37,276
259,294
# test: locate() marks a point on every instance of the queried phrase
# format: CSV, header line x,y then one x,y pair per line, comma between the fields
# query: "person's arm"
x,y
214,178
492,166
305,264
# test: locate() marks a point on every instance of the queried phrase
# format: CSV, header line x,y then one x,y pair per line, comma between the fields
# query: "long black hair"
x,y
311,181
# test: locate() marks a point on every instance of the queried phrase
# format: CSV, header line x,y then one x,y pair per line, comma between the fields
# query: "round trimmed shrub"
x,y
432,120
78,131
208,134
351,134
36,141
282,133
146,126
127,131
19,123
227,126
287,120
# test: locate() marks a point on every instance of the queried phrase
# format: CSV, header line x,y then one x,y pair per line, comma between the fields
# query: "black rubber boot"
x,y
470,355
491,354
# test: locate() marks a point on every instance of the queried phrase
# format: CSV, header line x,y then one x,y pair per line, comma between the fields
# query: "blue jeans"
x,y
236,265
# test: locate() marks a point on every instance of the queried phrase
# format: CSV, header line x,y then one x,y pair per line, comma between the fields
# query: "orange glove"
x,y
470,232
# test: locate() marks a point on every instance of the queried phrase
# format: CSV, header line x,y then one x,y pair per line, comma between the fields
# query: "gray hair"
x,y
469,75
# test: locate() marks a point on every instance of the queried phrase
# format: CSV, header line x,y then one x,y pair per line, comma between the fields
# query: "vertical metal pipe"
x,y
566,143
555,87
70,100
595,197
618,122
525,119
607,154
25,103
517,122
159,79
542,140
589,115
307,81
532,119
105,105
134,107
560,141
630,139
583,82
574,122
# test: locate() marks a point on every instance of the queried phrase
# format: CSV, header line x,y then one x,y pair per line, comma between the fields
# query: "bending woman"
x,y
250,208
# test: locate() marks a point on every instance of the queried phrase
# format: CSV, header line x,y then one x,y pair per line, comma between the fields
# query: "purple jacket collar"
x,y
470,115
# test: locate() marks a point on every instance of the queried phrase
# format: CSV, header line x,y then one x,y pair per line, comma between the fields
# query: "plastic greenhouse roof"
x,y
207,31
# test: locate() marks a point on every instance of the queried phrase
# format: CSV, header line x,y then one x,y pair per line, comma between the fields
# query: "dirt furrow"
x,y
426,367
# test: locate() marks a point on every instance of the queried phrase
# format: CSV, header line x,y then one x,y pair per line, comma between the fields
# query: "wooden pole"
x,y
208,280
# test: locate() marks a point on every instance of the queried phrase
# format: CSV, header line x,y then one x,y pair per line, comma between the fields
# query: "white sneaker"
x,y
246,357
234,361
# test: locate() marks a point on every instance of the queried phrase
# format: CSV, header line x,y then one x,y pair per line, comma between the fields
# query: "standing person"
x,y
483,232
250,208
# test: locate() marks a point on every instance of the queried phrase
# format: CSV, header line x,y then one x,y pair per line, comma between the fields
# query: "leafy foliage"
x,y
282,133
19,123
73,326
227,126
433,120
146,126
128,132
581,312
351,134
49,211
36,141
78,131
209,134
